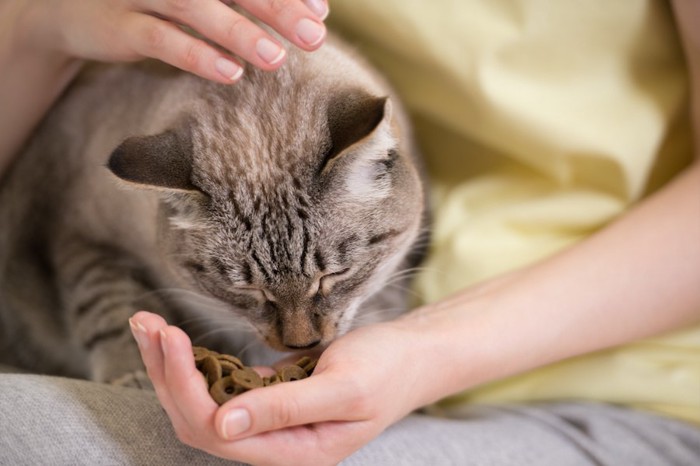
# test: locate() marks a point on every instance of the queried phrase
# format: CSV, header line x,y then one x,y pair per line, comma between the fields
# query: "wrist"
x,y
35,32
450,347
34,73
467,339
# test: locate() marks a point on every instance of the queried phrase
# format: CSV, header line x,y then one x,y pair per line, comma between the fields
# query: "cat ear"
x,y
364,172
160,161
352,118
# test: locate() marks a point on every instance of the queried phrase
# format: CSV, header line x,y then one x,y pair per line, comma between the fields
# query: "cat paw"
x,y
136,379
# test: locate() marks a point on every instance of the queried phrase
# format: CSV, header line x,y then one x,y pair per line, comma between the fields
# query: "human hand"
x,y
130,30
363,382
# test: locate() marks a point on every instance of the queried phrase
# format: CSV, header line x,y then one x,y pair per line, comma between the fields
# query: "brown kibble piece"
x,y
226,376
227,367
291,373
310,366
230,359
212,368
224,389
303,361
199,354
247,378
274,379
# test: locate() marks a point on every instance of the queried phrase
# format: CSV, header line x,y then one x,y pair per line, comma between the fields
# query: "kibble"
x,y
226,376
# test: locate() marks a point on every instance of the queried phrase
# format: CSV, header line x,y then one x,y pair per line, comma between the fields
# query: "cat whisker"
x,y
404,289
196,300
253,343
410,271
375,315
207,321
214,331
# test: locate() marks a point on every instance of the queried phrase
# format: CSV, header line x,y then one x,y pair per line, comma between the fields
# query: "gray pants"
x,y
57,421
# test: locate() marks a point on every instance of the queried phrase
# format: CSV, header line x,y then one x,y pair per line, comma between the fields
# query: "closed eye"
x,y
326,282
261,294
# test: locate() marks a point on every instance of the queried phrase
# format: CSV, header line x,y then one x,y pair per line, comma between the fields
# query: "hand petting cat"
x,y
44,44
170,30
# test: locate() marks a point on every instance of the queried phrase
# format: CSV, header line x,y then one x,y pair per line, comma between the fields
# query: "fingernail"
x,y
228,69
319,7
310,32
235,422
139,332
163,342
269,51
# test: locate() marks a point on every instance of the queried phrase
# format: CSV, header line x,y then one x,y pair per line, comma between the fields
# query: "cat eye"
x,y
261,294
195,267
326,282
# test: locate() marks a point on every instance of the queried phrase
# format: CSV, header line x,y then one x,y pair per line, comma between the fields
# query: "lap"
x,y
545,434
51,420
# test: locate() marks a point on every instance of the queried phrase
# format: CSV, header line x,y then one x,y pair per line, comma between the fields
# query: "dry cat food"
x,y
226,376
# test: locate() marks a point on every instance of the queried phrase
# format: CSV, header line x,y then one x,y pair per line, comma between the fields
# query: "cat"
x,y
290,206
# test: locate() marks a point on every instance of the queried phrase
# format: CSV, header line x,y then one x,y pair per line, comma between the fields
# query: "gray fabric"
x,y
540,435
56,421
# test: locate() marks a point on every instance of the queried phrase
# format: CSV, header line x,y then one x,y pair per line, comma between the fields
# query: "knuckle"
x,y
277,7
285,413
234,28
180,5
155,36
190,59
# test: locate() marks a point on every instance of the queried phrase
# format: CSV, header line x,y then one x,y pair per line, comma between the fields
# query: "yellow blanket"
x,y
541,121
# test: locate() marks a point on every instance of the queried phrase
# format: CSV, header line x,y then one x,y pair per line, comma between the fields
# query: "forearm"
x,y
637,278
687,16
32,78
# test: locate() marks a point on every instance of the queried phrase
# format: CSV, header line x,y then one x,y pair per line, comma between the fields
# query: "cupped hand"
x,y
129,30
363,382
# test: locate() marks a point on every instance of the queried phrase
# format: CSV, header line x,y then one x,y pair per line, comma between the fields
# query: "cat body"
x,y
279,207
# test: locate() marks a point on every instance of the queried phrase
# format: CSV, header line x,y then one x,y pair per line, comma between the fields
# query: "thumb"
x,y
319,398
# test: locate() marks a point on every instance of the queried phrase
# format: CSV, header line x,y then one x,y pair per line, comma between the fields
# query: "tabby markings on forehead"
x,y
272,246
344,246
304,249
290,231
260,265
240,214
246,273
222,268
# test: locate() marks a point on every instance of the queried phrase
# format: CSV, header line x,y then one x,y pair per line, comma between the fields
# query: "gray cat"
x,y
284,206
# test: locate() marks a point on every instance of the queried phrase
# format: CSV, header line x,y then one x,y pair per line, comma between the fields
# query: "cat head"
x,y
293,222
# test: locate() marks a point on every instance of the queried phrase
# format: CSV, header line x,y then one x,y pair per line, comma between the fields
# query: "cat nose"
x,y
303,347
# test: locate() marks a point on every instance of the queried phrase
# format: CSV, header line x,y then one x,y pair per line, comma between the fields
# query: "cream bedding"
x,y
541,121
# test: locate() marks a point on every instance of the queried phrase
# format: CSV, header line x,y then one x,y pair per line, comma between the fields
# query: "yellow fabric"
x,y
541,122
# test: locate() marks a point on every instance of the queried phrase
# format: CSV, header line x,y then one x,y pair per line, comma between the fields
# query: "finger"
x,y
318,7
156,38
185,383
291,18
315,399
146,329
230,30
326,443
